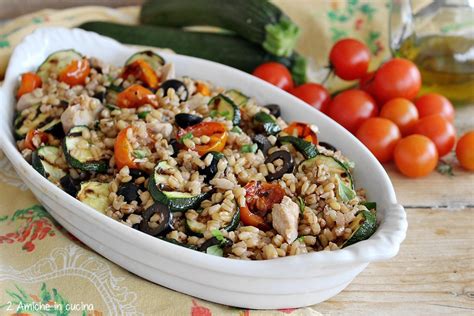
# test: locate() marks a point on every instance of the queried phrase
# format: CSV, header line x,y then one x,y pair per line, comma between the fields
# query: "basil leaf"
x,y
249,148
370,205
236,129
140,154
186,136
215,251
344,192
301,204
142,115
217,233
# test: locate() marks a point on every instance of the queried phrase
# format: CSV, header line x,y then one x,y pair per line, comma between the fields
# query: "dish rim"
x,y
382,245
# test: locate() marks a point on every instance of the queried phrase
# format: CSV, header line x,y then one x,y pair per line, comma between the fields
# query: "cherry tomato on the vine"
x,y
402,112
415,156
276,74
314,94
397,78
433,103
439,130
465,151
380,136
351,108
349,58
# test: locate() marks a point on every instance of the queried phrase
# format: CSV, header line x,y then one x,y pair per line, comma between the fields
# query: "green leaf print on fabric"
x,y
337,34
367,10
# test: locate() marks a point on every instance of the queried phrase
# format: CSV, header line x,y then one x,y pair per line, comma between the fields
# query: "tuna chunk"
x,y
27,100
83,111
285,219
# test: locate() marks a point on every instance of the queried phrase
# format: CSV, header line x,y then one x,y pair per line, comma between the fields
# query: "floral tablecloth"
x,y
45,270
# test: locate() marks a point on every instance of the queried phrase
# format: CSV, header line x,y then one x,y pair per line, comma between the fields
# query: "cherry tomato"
x,y
215,130
397,78
259,198
314,94
136,96
433,103
43,136
415,156
303,130
465,151
29,82
350,59
439,130
380,136
401,112
142,70
351,108
75,73
276,74
203,89
123,150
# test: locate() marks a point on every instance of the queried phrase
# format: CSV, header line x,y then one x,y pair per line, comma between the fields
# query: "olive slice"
x,y
161,225
327,146
176,85
184,120
287,167
70,185
129,191
223,243
274,109
210,171
263,143
175,145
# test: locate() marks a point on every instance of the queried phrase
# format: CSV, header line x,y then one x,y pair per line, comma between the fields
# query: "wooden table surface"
x,y
434,272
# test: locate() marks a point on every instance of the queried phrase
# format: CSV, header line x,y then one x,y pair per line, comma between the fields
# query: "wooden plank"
x,y
433,274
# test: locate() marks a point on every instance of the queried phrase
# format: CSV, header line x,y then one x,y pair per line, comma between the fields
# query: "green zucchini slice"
x,y
153,59
32,118
267,123
335,167
306,148
238,97
95,194
363,226
43,160
176,201
82,158
57,62
223,106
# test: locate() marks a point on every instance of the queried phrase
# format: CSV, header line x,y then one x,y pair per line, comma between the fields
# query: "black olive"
x,y
136,226
223,243
263,143
137,173
274,109
184,120
178,86
70,185
129,191
327,146
210,171
175,145
164,222
287,167
100,96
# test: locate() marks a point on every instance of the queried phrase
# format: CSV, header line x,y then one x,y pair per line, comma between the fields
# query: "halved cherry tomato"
x,y
302,130
136,96
33,133
215,130
76,72
29,82
203,89
123,150
260,197
142,70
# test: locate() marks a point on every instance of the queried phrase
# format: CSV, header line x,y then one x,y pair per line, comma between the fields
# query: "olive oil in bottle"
x,y
446,63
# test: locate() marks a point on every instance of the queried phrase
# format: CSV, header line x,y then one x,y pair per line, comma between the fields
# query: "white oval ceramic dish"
x,y
286,282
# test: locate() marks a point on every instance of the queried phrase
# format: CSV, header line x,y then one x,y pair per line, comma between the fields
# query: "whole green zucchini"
x,y
222,48
258,21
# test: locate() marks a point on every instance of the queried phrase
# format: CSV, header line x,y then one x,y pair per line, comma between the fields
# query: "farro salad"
x,y
187,161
